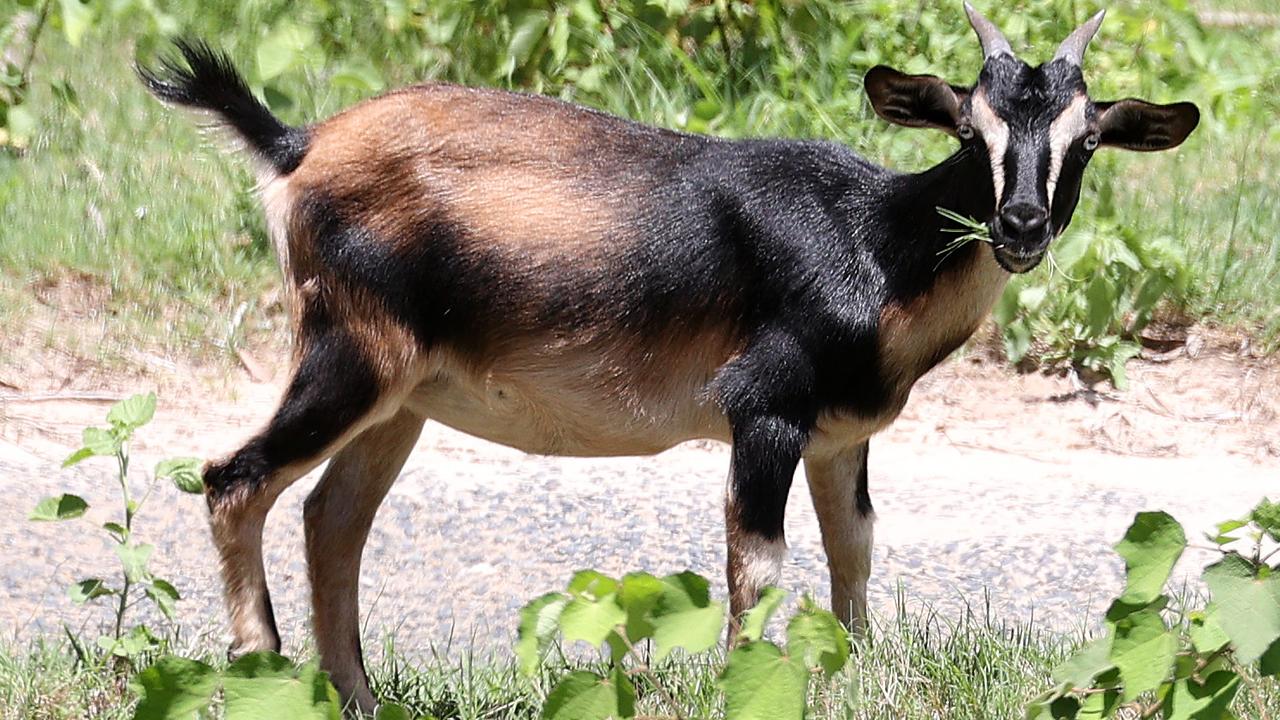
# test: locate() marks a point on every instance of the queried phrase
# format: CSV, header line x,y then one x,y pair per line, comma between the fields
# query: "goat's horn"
x,y
993,41
1072,49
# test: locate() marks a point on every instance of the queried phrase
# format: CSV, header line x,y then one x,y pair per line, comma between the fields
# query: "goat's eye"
x,y
1091,142
965,132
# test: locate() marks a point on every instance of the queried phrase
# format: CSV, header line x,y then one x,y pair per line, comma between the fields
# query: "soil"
x,y
992,488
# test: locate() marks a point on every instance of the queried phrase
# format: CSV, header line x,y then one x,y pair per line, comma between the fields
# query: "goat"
x,y
566,282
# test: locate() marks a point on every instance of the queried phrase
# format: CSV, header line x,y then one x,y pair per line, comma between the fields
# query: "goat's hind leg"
x,y
334,393
339,513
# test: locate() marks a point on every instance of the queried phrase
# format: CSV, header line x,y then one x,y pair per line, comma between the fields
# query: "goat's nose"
x,y
1023,219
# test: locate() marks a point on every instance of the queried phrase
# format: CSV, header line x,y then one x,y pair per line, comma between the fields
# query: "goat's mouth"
x,y
1016,260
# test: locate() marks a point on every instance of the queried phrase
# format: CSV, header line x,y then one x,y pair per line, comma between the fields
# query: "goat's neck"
x,y
916,244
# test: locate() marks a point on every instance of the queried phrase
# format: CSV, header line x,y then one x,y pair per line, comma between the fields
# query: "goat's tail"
x,y
209,81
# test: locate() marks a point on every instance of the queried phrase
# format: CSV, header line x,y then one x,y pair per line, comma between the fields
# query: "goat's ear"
x,y
914,100
1139,125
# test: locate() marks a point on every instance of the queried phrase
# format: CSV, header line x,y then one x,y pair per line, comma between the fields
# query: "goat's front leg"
x,y
838,485
766,451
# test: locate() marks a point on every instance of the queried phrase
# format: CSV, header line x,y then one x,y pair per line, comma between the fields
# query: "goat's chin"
x,y
1017,262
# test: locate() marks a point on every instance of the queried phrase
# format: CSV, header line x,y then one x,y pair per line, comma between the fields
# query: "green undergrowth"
x,y
118,211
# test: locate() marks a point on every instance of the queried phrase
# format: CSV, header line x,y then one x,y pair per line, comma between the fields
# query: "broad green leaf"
x,y
1245,607
1150,547
359,75
1269,663
1080,669
1143,651
817,639
1099,705
77,18
133,412
96,441
685,616
183,472
592,583
754,620
760,683
591,620
1101,299
1190,700
538,622
134,643
88,589
174,687
1267,517
164,595
582,695
1206,634
283,49
59,507
266,685
134,559
1053,707
639,593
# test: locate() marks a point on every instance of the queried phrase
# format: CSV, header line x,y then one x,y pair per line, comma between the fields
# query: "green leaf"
x,y
121,532
590,582
816,638
1099,705
527,30
174,687
134,559
1053,707
1150,547
1190,700
582,695
685,616
1080,669
183,472
97,442
75,457
639,593
266,685
359,75
1269,663
133,412
164,595
284,48
1267,517
59,507
591,620
1143,650
1101,299
134,643
760,683
391,711
77,17
755,619
1247,608
1206,634
88,589
538,623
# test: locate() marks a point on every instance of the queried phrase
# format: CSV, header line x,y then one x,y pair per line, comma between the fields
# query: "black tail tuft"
x,y
209,81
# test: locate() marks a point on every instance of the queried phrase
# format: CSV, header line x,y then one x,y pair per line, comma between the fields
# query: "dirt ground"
x,y
996,484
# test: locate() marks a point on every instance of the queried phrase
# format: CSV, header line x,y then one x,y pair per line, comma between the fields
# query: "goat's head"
x,y
1036,125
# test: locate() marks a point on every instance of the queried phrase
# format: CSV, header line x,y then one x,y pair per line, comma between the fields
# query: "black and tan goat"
x,y
565,282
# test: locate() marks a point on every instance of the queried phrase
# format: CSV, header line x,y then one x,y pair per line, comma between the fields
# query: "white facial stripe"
x,y
996,134
1064,130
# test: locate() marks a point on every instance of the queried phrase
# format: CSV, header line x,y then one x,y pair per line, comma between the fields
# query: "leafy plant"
x,y
1193,669
626,616
135,582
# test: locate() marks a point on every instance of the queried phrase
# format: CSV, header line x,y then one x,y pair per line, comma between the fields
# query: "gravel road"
x,y
972,494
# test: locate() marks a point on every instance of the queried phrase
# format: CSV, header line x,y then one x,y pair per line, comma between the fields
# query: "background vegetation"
x,y
111,200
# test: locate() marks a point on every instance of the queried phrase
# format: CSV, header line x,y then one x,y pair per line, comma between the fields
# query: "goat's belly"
x,y
566,418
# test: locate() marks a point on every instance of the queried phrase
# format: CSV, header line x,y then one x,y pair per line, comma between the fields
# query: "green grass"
x,y
918,666
120,211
